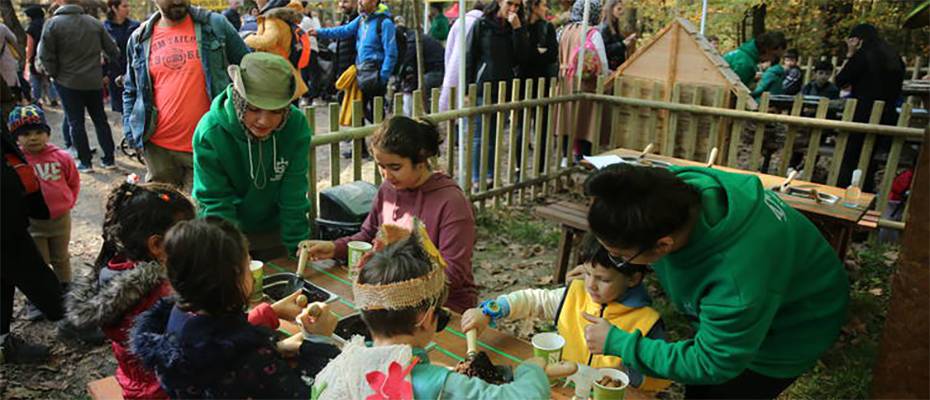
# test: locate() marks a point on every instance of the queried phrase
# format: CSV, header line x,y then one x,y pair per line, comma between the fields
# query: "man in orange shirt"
x,y
176,65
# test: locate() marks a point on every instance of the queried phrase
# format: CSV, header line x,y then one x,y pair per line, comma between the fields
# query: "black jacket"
x,y
874,75
433,61
544,64
613,46
17,205
345,49
203,356
497,52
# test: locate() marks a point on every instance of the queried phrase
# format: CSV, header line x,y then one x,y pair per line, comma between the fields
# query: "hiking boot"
x,y
17,351
90,335
33,313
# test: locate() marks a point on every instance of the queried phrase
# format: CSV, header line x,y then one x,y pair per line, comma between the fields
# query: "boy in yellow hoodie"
x,y
611,290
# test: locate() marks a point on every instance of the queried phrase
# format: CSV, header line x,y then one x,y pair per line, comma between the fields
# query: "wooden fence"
x,y
915,68
634,122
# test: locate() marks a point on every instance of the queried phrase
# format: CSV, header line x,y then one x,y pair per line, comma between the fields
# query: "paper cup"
x,y
610,393
258,277
549,346
356,250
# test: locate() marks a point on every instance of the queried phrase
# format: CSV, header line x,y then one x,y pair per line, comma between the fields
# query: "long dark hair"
x,y
608,18
206,262
136,212
876,50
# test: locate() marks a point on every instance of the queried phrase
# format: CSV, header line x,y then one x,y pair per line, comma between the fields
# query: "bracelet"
x,y
493,310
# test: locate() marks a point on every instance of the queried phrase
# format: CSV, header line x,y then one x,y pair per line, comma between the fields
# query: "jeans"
x,y
116,97
40,83
74,103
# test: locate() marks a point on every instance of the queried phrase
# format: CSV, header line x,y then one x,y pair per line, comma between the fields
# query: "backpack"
x,y
299,53
592,61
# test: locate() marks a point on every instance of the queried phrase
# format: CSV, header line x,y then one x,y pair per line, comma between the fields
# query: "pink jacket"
x,y
58,178
449,219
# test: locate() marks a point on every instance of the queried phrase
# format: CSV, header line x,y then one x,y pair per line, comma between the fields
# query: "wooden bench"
x,y
573,219
105,389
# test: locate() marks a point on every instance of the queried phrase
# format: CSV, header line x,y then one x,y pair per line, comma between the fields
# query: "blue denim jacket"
x,y
220,46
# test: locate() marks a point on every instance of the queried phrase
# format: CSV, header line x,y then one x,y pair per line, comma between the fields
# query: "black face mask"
x,y
443,316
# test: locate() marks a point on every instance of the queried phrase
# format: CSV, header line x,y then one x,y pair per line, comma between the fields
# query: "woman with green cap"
x,y
250,157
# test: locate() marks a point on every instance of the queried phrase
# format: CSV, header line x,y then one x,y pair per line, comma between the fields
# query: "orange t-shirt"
x,y
179,85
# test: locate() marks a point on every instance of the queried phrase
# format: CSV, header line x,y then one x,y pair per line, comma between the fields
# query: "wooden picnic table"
x,y
449,348
836,222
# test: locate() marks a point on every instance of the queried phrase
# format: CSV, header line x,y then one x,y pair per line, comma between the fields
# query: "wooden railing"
x,y
635,121
915,68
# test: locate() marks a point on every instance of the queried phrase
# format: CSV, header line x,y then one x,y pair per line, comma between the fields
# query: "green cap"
x,y
265,80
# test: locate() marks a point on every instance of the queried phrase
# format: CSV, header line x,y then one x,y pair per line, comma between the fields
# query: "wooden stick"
x,y
303,255
471,340
784,185
646,150
712,159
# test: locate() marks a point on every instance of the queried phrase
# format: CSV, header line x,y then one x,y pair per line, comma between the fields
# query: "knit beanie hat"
x,y
26,118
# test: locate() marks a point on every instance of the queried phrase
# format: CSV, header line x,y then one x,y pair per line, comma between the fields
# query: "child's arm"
x,y
529,382
539,303
72,177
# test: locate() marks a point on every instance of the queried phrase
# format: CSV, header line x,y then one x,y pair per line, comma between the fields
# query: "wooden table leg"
x,y
565,252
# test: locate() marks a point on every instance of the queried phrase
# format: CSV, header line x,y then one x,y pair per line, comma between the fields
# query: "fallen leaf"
x,y
544,280
876,291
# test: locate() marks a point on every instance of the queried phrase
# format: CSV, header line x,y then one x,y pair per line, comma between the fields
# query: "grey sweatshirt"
x,y
70,48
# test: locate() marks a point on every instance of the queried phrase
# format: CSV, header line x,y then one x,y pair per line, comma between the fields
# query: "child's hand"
x,y
575,273
291,346
318,249
473,318
289,307
317,320
596,333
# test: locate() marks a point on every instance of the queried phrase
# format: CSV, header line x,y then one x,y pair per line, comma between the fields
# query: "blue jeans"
x,y
116,96
75,102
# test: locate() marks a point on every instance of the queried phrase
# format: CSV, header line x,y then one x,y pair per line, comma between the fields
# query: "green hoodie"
x,y
743,61
259,185
764,289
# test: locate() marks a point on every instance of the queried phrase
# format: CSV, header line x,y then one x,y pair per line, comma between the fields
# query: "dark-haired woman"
x,y
766,292
119,26
875,72
402,147
201,345
498,51
617,43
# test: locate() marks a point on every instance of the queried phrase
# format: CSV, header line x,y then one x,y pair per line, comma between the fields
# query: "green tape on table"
x,y
487,346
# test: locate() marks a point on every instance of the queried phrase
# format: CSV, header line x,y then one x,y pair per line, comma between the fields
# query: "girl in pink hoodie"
x,y
60,185
401,147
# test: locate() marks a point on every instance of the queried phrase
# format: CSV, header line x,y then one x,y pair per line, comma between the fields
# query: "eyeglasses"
x,y
620,263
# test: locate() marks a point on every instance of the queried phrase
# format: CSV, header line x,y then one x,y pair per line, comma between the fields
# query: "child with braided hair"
x,y
128,275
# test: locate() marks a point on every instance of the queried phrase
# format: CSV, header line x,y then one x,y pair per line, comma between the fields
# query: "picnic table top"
x,y
836,211
450,346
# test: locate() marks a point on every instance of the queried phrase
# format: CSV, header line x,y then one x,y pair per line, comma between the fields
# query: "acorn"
x,y
302,301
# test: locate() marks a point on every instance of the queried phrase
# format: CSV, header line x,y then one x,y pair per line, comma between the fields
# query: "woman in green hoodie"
x,y
250,157
766,293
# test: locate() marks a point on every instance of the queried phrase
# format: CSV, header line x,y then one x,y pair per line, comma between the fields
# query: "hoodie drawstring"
x,y
261,171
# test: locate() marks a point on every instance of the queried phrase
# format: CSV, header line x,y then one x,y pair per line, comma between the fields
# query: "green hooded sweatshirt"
x,y
259,185
762,286
743,61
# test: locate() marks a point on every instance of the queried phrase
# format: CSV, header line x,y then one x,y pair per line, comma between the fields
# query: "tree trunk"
x,y
12,22
901,370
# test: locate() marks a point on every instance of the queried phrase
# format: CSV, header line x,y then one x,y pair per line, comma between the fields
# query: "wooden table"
x,y
836,222
450,347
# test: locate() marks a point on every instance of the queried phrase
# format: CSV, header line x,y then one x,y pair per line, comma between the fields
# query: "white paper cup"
x,y
356,250
258,277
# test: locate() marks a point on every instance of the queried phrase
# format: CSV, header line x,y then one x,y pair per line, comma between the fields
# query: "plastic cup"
x,y
356,250
610,393
549,346
258,277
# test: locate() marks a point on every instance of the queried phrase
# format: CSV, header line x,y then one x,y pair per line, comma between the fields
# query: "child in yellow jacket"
x,y
274,34
611,289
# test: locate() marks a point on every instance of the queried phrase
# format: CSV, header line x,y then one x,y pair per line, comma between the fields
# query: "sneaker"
x,y
33,313
108,165
16,351
84,168
72,151
91,335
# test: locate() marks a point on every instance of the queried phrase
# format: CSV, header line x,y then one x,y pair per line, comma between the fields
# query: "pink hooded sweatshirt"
x,y
58,178
449,219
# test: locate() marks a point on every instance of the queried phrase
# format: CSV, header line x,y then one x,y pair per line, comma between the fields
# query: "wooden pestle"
x,y
471,340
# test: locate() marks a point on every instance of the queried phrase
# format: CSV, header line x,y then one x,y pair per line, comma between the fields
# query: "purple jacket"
x,y
449,219
452,57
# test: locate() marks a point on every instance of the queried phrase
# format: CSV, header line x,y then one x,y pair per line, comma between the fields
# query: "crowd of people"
x,y
211,102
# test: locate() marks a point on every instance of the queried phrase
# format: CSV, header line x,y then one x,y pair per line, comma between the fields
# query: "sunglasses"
x,y
620,263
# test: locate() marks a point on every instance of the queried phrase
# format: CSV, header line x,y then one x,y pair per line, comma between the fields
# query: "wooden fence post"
x,y
310,114
334,162
839,150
